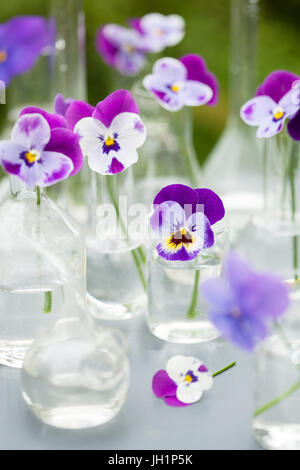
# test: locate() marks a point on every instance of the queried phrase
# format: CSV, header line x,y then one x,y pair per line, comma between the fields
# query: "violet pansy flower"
x,y
22,39
242,305
183,382
27,157
159,31
110,133
182,219
62,104
121,48
178,83
276,100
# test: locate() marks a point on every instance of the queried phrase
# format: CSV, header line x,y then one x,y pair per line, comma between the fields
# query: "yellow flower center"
x,y
159,32
32,156
109,141
188,378
3,56
180,237
278,113
175,88
129,48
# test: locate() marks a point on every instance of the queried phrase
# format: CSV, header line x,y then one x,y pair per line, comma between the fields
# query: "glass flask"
x,y
272,238
75,375
276,419
177,311
115,256
168,155
30,295
236,156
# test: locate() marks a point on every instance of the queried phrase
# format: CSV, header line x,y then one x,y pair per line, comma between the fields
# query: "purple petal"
x,y
31,131
173,401
238,272
277,84
180,193
61,104
76,111
54,120
196,70
218,295
257,111
54,167
10,156
168,217
213,205
115,167
162,385
105,48
119,101
294,127
66,142
135,23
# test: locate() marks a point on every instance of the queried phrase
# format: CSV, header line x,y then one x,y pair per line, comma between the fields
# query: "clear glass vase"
x,y
75,375
233,168
276,420
177,311
30,293
115,256
272,238
168,155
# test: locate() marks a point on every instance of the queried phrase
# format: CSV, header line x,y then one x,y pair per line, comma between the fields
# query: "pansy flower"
x,y
276,100
28,156
183,382
62,104
110,133
121,48
159,31
242,305
185,82
182,219
22,39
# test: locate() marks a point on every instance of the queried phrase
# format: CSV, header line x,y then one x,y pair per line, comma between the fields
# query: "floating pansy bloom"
x,y
276,100
182,219
26,154
159,31
121,48
178,83
62,104
183,382
62,139
242,305
110,133
22,39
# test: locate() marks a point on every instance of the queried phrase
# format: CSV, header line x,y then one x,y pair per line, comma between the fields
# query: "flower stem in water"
x,y
48,295
192,311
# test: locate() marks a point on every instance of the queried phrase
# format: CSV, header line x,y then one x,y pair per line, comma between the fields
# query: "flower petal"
x,y
32,131
189,393
290,102
277,84
168,217
130,130
170,70
178,366
195,93
199,227
217,293
213,205
10,156
173,401
257,110
268,128
180,193
77,111
66,142
120,101
54,167
54,120
294,127
162,385
61,104
196,70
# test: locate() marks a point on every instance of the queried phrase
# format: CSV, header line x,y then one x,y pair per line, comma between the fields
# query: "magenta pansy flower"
x,y
183,382
276,100
26,155
22,39
182,219
62,139
62,104
178,83
159,31
121,48
110,133
242,305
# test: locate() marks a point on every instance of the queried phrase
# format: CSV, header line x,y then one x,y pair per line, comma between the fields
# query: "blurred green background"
x,y
207,33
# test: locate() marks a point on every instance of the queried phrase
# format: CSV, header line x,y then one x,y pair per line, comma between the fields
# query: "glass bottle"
x,y
276,417
177,311
75,375
115,256
168,155
30,293
272,238
233,168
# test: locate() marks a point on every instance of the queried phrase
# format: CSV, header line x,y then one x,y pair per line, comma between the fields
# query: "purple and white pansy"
x,y
28,156
276,100
178,83
183,382
110,133
159,31
182,219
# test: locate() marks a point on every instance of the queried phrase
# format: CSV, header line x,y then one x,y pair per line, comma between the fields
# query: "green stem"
x,y
137,254
278,399
192,312
224,369
48,295
265,179
292,168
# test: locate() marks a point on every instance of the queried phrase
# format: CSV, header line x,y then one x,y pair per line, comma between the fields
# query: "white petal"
x,y
178,366
32,131
196,93
90,127
290,102
256,110
130,129
188,393
170,69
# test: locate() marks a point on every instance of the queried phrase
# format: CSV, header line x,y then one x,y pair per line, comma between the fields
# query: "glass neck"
x,y
243,53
